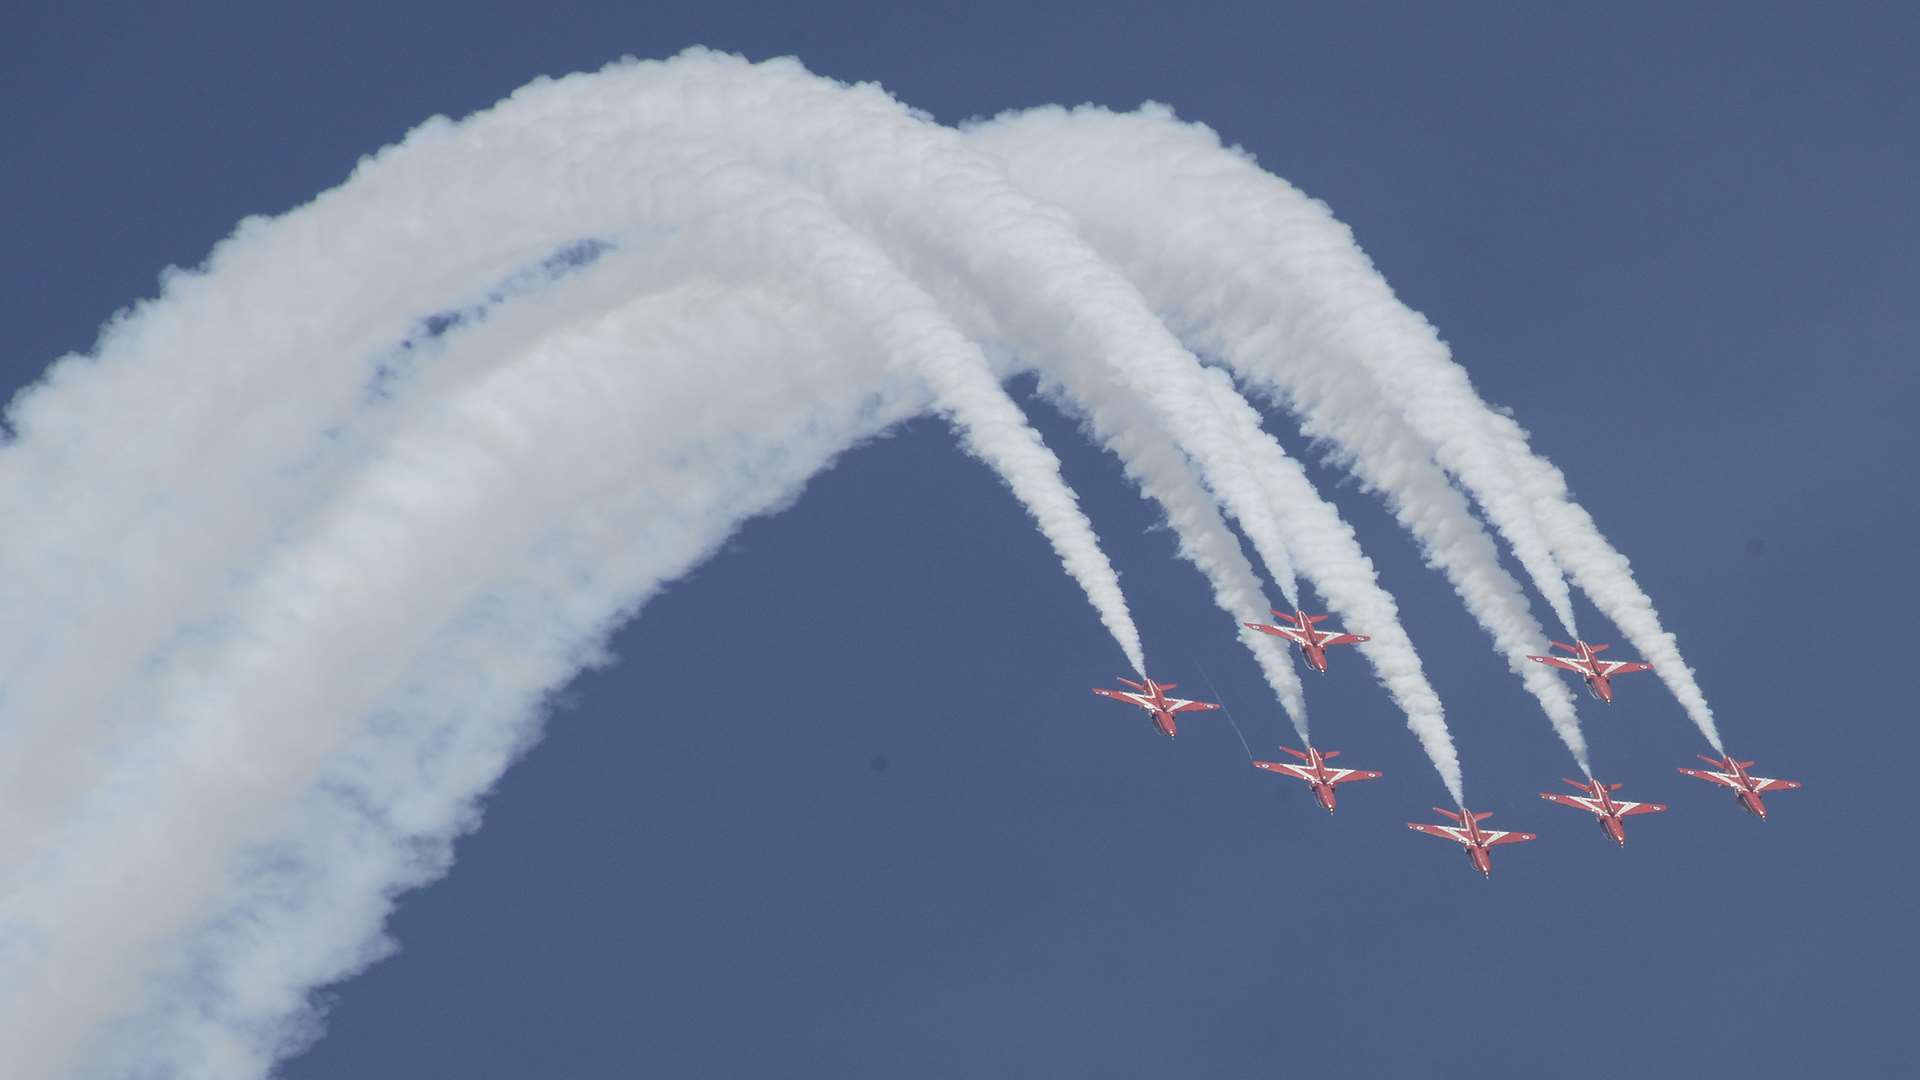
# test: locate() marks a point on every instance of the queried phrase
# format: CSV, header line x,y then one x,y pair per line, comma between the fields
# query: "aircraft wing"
x,y
1591,806
1723,779
1121,695
1629,809
1496,838
1175,704
1458,836
1559,663
1762,784
1348,776
1345,639
1298,637
1295,771
1622,667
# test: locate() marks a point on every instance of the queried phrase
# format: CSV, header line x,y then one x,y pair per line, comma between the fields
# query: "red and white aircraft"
x,y
1300,631
1596,798
1472,836
1584,663
1153,698
1746,789
1316,773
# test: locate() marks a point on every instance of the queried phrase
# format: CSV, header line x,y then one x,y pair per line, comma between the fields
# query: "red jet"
x,y
1596,798
1316,773
1153,698
1746,789
1584,663
1472,836
1313,643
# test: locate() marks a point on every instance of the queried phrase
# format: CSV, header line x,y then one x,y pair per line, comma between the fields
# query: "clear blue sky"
x,y
878,827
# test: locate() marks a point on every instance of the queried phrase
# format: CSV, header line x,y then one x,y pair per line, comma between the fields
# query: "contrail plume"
x,y
1048,293
1326,548
1162,473
1222,291
175,909
1604,575
795,232
318,647
319,529
1328,308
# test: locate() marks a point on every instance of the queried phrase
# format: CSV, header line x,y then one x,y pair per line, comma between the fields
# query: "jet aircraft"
x,y
1470,835
1316,773
1313,643
1597,798
1746,789
1597,672
1153,697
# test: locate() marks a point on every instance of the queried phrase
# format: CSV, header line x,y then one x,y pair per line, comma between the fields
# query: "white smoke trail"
x,y
252,478
264,379
497,499
1283,243
952,219
1331,556
780,229
299,730
1359,319
1207,256
1154,463
910,327
902,329
1606,577
1028,267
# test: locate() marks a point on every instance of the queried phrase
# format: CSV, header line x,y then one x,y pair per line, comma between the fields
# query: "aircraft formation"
x,y
1596,797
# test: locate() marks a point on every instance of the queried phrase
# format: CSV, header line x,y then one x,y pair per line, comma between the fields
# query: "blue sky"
x,y
845,807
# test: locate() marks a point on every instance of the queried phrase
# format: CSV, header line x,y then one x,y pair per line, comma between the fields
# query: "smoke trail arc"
x,y
1051,295
1231,258
521,370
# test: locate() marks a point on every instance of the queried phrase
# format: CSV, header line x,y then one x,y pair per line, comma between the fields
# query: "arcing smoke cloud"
x,y
260,672
1251,270
934,202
